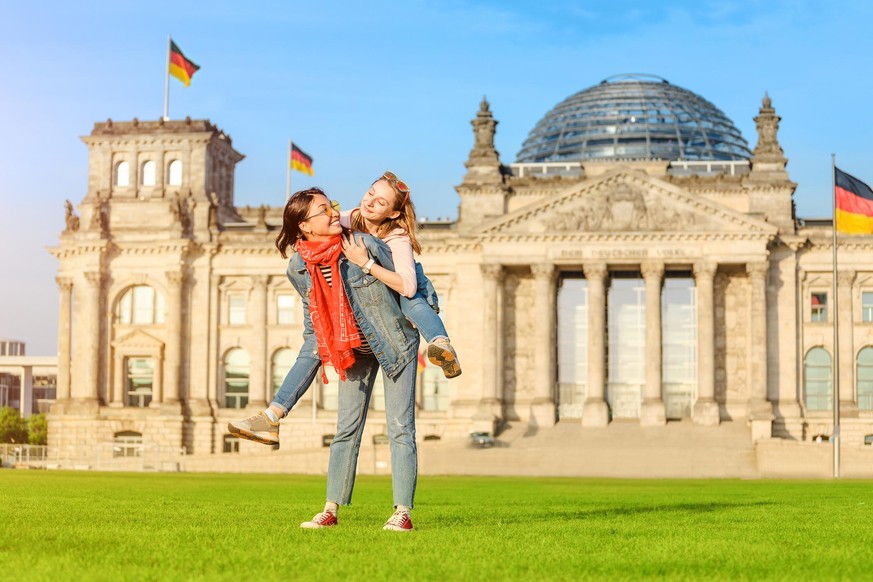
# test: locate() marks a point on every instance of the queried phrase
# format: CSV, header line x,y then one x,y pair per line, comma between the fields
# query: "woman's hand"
x,y
356,253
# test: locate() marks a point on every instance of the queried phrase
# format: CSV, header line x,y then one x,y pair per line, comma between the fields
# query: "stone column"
x,y
846,281
653,412
65,319
705,409
489,410
173,351
26,391
595,411
90,329
760,409
543,405
258,388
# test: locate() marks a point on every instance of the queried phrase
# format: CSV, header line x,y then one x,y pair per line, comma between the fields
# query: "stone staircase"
x,y
622,449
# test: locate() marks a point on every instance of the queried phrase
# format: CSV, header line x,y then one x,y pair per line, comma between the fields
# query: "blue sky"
x,y
365,86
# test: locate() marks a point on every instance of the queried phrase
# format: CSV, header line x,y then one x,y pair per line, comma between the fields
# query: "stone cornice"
x,y
645,237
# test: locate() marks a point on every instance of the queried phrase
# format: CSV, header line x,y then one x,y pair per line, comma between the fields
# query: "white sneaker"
x,y
256,428
441,353
323,519
399,521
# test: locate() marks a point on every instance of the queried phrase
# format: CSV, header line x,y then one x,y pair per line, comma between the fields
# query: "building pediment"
x,y
625,201
138,340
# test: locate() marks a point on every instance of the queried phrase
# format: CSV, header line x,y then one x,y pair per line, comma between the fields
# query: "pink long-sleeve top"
x,y
401,249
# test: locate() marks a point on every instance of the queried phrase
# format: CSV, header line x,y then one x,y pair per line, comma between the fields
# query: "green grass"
x,y
109,526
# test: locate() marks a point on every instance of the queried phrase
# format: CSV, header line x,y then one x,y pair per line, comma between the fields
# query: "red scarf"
x,y
336,330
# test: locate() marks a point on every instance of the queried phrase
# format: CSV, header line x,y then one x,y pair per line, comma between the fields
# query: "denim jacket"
x,y
393,339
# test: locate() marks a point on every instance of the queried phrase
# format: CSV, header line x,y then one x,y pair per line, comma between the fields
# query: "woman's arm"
x,y
357,253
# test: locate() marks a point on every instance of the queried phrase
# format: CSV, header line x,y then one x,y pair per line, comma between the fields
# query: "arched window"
x,y
283,359
236,378
141,305
147,173
174,173
127,443
817,379
865,378
122,174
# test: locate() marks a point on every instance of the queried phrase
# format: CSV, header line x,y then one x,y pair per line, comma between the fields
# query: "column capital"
x,y
260,281
596,271
542,270
94,278
175,278
846,277
705,269
758,269
491,270
652,269
64,283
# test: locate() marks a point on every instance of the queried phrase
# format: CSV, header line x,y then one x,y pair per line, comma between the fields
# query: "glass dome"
x,y
634,117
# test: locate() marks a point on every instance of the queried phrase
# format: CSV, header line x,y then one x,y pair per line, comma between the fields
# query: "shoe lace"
x,y
321,517
398,519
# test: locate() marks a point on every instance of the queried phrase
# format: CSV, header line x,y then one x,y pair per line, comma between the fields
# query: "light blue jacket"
x,y
393,339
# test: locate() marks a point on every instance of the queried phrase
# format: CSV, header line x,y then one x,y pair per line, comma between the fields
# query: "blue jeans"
x,y
422,315
354,401
297,382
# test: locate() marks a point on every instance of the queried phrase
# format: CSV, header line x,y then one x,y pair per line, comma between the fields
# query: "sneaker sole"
x,y
391,528
445,360
250,436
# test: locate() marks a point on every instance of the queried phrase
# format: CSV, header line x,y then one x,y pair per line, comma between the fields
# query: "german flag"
x,y
301,161
853,207
180,67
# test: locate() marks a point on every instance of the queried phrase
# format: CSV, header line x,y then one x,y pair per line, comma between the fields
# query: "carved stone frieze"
x,y
626,205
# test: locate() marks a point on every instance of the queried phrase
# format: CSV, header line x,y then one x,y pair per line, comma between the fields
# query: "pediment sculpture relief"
x,y
625,208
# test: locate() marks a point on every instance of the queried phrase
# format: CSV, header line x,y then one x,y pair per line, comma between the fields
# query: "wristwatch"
x,y
367,266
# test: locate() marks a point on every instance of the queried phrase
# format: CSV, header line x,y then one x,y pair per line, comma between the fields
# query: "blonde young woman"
x,y
387,212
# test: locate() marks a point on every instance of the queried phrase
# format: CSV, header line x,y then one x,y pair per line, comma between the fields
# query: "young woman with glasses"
x,y
353,323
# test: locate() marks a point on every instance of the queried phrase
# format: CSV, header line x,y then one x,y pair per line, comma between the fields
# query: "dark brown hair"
x,y
295,212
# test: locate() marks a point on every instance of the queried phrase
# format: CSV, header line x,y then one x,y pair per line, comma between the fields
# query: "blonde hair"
x,y
405,220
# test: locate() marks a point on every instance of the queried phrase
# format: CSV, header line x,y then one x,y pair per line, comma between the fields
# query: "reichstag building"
x,y
640,262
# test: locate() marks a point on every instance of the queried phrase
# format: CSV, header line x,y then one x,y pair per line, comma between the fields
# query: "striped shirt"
x,y
364,348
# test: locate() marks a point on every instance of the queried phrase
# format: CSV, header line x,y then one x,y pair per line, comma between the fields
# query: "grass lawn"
x,y
144,526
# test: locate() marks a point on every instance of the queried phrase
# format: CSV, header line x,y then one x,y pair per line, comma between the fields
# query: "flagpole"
x,y
288,173
835,436
167,83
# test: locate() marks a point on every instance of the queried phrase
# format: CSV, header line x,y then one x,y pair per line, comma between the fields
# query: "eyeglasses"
x,y
334,205
401,186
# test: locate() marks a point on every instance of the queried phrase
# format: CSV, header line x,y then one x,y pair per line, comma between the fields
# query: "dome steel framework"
x,y
634,117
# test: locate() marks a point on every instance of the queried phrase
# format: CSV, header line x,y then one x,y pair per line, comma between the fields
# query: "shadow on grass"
x,y
586,514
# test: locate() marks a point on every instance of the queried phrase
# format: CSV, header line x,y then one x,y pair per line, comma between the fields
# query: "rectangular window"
x,y
867,306
285,309
819,306
572,346
140,379
231,444
236,309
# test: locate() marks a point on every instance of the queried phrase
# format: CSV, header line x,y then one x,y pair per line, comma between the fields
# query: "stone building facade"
x,y
582,293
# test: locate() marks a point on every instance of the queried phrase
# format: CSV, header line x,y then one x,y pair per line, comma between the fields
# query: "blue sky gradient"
x,y
365,86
